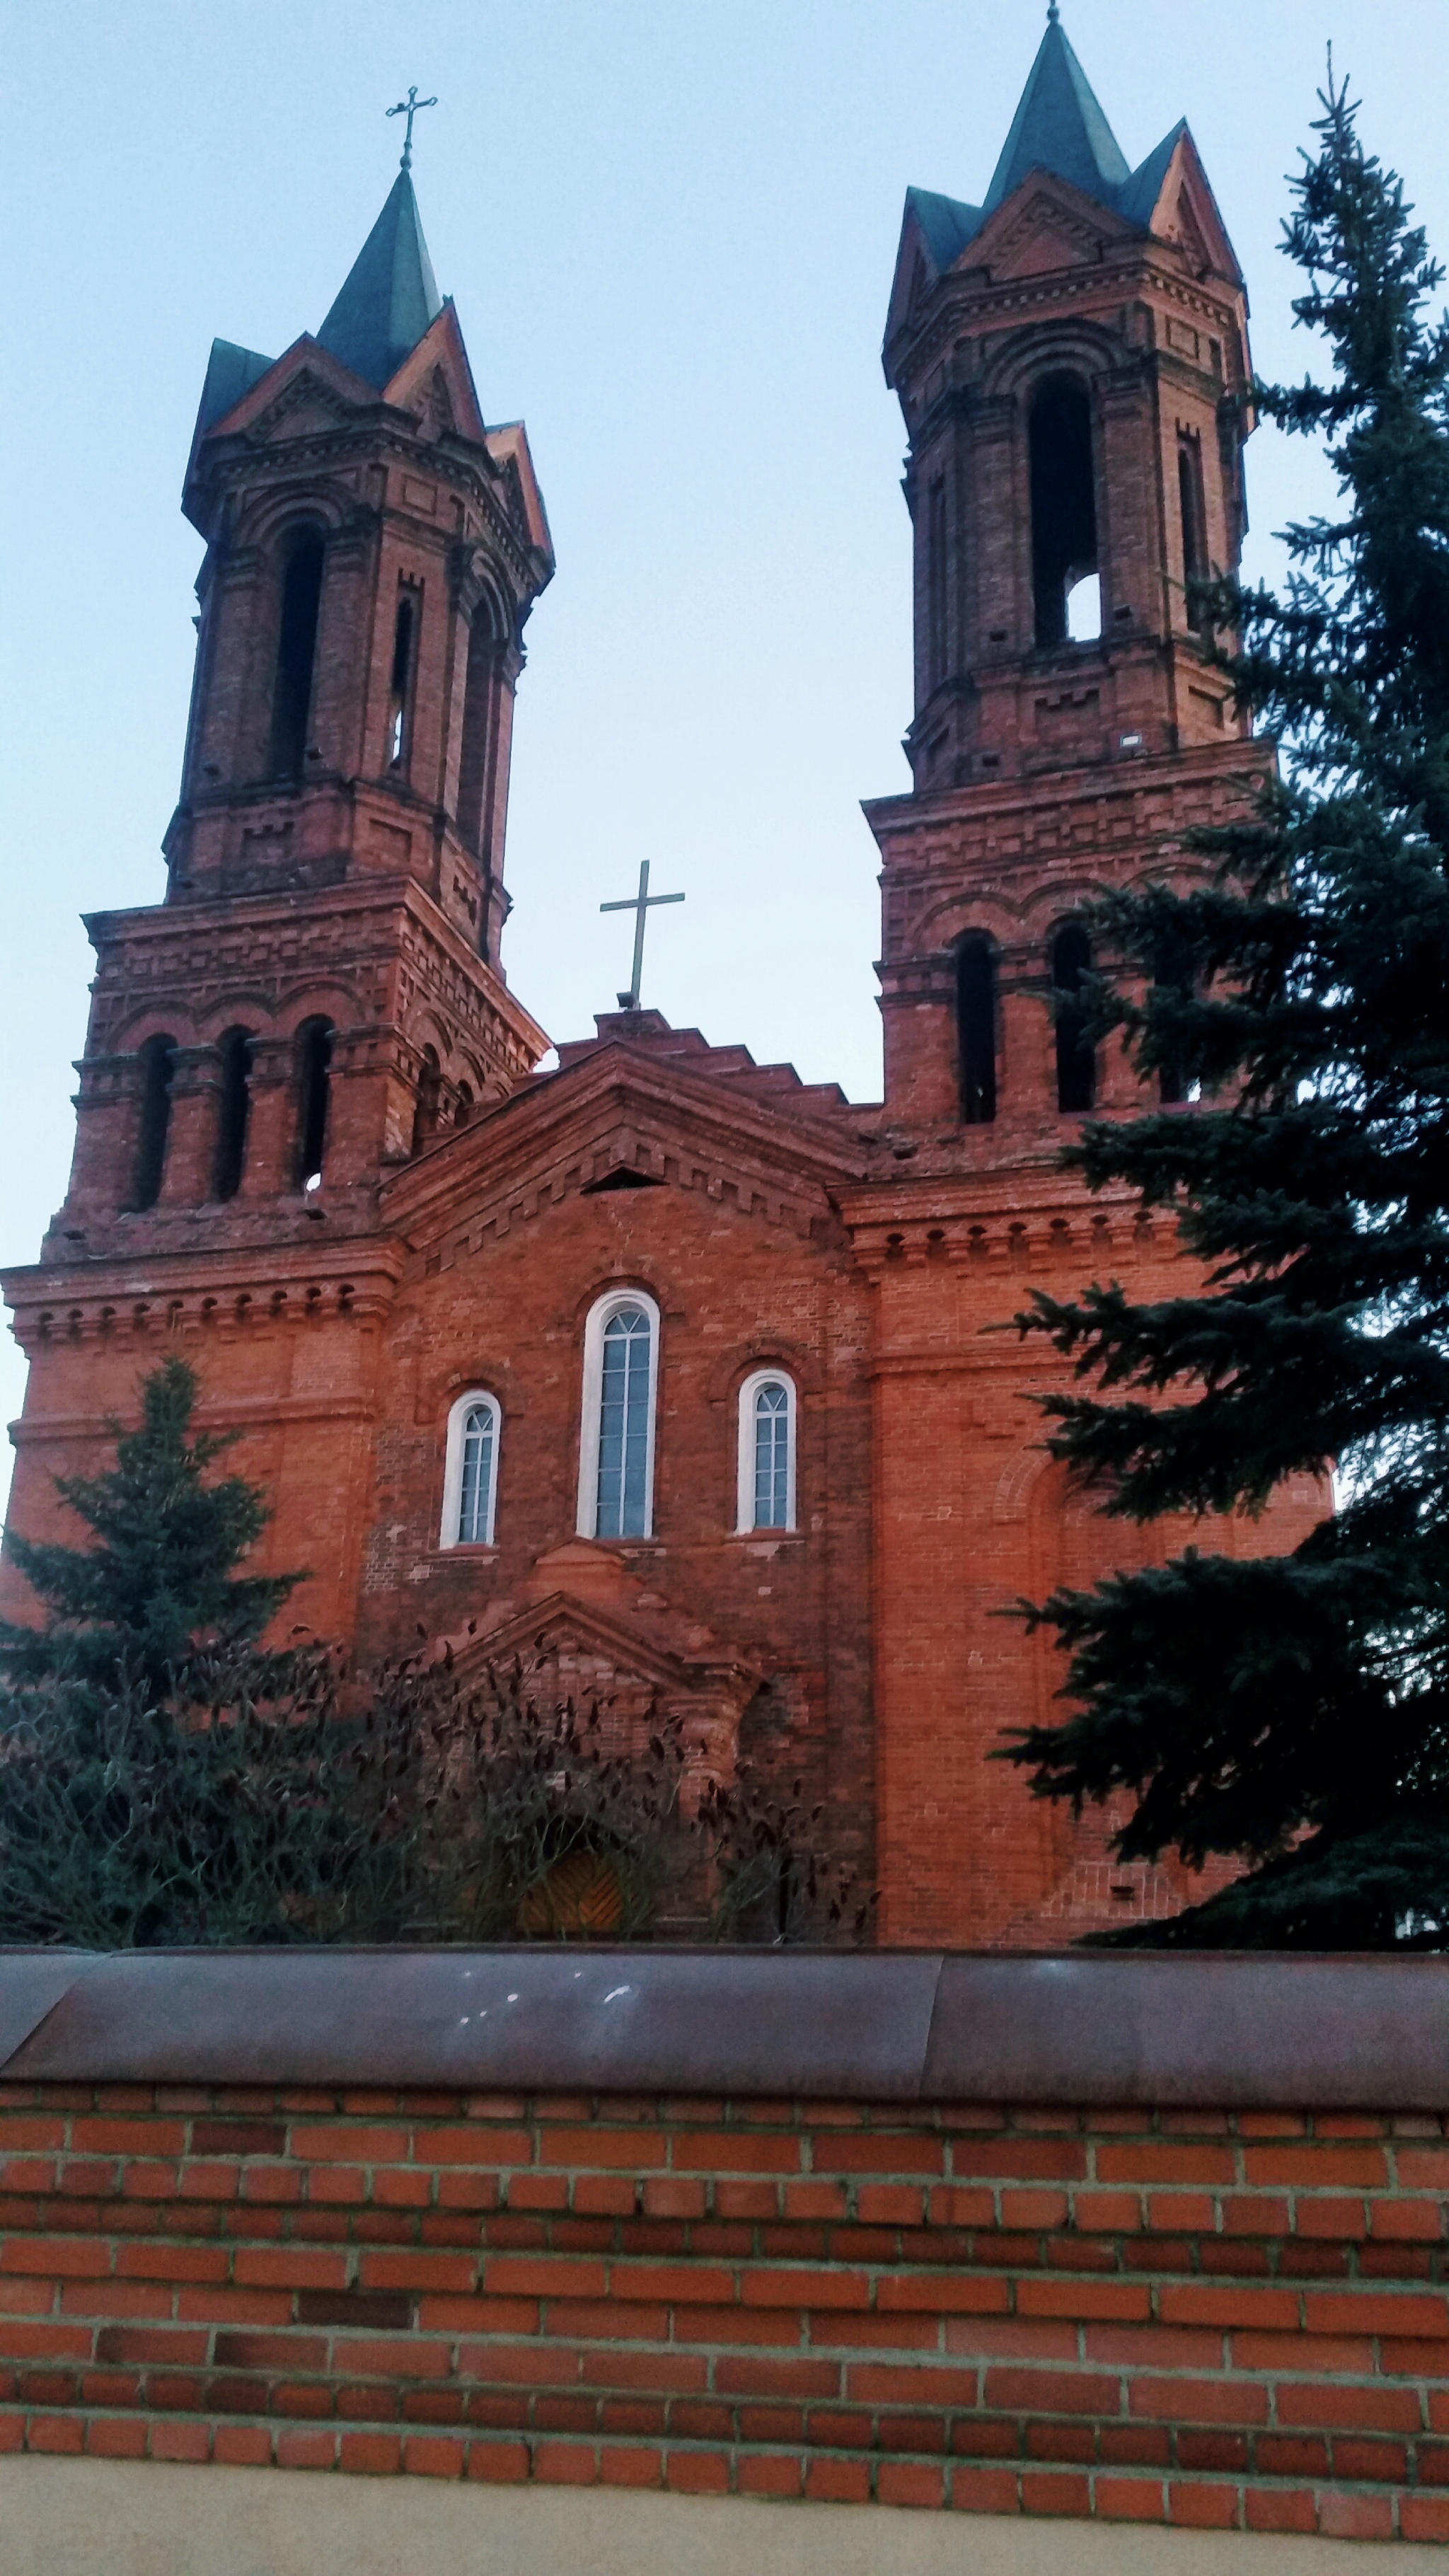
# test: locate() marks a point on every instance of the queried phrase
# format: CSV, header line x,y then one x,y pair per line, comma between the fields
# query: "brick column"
x,y
108,1108
271,1120
186,1176
922,1074
1027,1084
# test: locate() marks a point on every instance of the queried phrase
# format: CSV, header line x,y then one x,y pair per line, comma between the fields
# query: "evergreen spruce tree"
x,y
161,1587
1293,1711
160,1768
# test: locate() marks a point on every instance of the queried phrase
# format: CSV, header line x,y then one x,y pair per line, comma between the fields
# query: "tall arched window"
x,y
1063,506
1071,962
296,654
480,710
314,1089
425,1113
766,1494
399,717
470,1472
976,1027
1192,506
1176,1087
158,1071
233,1112
937,638
616,1449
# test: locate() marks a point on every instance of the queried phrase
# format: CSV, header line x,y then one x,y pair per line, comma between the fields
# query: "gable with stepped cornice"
x,y
627,1114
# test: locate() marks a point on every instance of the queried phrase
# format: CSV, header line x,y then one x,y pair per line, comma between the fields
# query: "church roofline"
x,y
802,1159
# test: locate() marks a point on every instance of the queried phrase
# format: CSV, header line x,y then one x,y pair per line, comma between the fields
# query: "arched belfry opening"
x,y
1192,510
976,1027
429,1099
480,707
158,1072
233,1112
1071,965
1063,514
404,657
296,653
314,1092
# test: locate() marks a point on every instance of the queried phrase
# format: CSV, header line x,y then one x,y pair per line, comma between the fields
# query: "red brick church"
x,y
665,1363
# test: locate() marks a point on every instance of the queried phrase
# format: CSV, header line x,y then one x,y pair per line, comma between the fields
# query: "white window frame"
x,y
453,1469
590,1423
745,1523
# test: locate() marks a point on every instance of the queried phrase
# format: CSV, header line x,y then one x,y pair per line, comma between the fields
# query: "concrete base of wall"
x,y
129,2518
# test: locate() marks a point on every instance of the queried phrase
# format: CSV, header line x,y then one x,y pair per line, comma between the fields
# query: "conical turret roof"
x,y
1059,126
390,296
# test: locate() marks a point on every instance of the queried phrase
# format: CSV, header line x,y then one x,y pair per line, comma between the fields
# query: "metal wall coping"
x,y
1231,2031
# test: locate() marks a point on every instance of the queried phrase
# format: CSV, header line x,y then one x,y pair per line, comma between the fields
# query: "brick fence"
x,y
1231,2320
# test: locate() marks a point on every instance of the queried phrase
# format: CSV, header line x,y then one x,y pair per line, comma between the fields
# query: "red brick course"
x,y
1175,2348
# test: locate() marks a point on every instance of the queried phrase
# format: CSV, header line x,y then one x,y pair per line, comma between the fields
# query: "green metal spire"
x,y
1059,126
391,295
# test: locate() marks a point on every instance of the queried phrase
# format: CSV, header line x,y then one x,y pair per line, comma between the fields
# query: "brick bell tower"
x,y
335,863
1070,357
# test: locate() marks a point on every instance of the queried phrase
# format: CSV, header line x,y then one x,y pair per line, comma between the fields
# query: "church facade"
x,y
664,1364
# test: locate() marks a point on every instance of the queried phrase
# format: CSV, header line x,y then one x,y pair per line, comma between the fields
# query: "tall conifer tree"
x,y
1293,1711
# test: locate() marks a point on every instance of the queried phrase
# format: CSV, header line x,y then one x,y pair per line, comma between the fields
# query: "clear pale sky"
x,y
669,227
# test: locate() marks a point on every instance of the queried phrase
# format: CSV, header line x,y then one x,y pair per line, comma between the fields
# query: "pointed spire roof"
x,y
1059,126
391,296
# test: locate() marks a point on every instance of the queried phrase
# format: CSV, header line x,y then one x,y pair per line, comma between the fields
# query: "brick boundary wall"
x,y
1221,2319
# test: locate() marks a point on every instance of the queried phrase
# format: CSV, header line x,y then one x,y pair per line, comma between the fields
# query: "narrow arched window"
x,y
314,1088
400,689
1192,506
470,1472
616,1451
463,1104
233,1113
766,1495
296,655
936,582
158,1072
1176,1087
1071,964
1063,509
481,708
976,1027
425,1113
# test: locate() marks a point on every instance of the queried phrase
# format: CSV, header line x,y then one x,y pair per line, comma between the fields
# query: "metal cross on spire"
x,y
409,107
639,904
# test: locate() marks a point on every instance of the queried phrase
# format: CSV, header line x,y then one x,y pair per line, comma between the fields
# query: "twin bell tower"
x,y
372,554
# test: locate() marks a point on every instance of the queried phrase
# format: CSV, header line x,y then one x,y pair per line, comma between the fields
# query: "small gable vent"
x,y
624,1178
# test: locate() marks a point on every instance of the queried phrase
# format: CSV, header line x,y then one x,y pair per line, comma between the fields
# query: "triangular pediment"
x,y
585,1647
508,447
1045,225
1186,214
306,390
593,1629
934,232
435,381
626,1111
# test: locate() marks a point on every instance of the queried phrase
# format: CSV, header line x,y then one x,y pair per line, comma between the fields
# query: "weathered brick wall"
x,y
1211,2320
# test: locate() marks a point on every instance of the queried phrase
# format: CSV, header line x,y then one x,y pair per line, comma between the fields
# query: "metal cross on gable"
x,y
409,107
639,904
